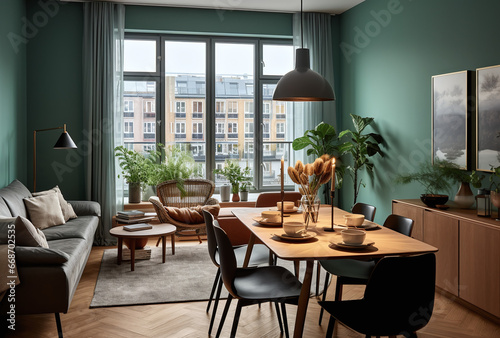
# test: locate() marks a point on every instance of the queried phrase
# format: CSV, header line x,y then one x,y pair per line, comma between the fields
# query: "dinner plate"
x,y
307,236
353,246
263,221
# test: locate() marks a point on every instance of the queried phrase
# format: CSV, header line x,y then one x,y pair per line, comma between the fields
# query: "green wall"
x,y
55,96
389,77
12,93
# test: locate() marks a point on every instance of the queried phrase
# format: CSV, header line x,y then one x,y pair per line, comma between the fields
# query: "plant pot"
x,y
148,192
431,200
244,196
236,197
225,192
464,198
495,198
134,192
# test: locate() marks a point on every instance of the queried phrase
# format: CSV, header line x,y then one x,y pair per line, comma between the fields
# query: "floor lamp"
x,y
64,142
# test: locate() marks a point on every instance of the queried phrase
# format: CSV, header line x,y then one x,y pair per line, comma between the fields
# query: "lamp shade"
x,y
302,83
65,142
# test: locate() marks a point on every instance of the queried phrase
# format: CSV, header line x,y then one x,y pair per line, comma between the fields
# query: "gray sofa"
x,y
49,276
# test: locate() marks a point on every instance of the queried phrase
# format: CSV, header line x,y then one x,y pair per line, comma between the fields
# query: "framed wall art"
x,y
451,116
488,118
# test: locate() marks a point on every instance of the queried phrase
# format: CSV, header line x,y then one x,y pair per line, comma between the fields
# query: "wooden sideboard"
x,y
468,261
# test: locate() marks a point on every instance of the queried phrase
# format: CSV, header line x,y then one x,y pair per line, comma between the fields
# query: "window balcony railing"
x,y
266,116
249,115
220,115
248,135
229,135
196,136
232,115
180,115
220,135
280,135
128,114
180,136
149,115
149,136
265,135
281,116
197,115
128,135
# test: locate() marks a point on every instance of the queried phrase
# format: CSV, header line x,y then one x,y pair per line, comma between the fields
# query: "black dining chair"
x,y
254,285
260,255
357,272
398,299
364,209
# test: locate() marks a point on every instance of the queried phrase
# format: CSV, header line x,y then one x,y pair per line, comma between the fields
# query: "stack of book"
x,y
139,254
137,227
133,217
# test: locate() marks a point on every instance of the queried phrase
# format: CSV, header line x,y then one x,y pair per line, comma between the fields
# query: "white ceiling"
x,y
286,6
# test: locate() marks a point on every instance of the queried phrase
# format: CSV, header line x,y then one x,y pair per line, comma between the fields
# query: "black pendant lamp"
x,y
302,83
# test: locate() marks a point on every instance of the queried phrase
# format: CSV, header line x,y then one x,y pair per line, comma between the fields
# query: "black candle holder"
x,y
282,205
331,229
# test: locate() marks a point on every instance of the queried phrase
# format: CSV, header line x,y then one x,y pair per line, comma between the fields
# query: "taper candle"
x,y
333,174
282,174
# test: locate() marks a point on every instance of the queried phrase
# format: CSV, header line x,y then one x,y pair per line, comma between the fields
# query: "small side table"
x,y
158,230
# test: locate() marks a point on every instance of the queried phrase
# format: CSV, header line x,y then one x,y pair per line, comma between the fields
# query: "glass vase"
x,y
310,210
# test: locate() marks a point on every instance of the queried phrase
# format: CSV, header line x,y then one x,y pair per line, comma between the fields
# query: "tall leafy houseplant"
x,y
235,175
361,147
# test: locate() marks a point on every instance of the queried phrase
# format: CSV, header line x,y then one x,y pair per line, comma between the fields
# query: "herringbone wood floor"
x,y
190,319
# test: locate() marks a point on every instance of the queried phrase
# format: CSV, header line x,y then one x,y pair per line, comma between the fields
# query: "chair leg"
x,y
331,326
236,318
214,286
216,305
296,266
224,314
318,273
327,277
338,289
59,326
285,320
199,238
279,316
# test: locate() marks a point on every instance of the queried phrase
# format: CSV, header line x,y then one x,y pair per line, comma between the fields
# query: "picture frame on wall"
x,y
452,112
488,118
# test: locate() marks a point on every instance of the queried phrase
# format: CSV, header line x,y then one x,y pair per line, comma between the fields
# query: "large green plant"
x,y
135,165
235,174
361,147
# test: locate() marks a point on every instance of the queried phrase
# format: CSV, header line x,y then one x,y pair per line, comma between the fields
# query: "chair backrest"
x,y
198,191
364,209
270,199
400,224
227,259
402,290
211,240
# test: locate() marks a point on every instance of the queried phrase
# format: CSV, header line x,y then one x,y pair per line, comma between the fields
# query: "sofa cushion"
x,y
4,209
44,211
40,256
66,208
6,224
13,194
82,227
86,208
28,235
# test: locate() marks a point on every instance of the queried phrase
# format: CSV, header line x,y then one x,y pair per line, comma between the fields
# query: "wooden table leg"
x,y
251,242
303,301
132,254
120,251
172,239
163,244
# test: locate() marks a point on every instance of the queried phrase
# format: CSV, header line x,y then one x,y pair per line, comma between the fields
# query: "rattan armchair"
x,y
198,192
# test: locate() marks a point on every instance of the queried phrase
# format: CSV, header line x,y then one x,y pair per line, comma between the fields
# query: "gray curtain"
x,y
104,24
317,28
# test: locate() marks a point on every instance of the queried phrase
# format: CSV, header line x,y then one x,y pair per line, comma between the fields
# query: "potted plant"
x,y
245,186
434,180
464,198
132,164
361,147
235,175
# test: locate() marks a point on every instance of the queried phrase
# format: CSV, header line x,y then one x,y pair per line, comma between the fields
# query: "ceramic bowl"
x,y
352,236
271,216
353,220
288,205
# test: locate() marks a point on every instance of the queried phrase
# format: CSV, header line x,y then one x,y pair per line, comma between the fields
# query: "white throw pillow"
x,y
66,207
44,211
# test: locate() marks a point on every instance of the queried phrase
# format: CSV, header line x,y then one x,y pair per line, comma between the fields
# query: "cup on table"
x,y
354,220
353,236
294,229
271,216
287,205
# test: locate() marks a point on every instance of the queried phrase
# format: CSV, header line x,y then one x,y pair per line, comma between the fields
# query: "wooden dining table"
x,y
387,242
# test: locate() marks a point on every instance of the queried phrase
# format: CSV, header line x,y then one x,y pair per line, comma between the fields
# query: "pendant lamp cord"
x,y
301,23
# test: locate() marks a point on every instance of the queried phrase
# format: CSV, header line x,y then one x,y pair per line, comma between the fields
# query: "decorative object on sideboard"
x,y
483,204
64,142
225,192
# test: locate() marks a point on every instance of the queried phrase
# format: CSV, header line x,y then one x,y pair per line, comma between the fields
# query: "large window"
x,y
211,96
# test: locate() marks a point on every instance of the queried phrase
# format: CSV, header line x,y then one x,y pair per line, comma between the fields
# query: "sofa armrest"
x,y
39,256
86,208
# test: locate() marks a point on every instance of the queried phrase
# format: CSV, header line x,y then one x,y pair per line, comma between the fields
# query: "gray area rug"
x,y
186,276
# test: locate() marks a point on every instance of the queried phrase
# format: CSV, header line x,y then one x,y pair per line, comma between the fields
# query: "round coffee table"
x,y
158,230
